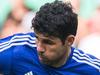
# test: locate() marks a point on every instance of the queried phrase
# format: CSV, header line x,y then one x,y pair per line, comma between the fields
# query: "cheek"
x,y
55,52
50,53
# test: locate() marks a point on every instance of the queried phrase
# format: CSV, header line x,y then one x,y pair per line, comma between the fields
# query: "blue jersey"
x,y
18,56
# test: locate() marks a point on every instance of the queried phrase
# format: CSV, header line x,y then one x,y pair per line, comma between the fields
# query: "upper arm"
x,y
5,61
9,46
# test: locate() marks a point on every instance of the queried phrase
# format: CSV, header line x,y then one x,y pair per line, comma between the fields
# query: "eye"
x,y
48,42
36,37
37,40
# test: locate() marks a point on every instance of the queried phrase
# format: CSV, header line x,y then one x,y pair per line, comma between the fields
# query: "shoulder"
x,y
17,43
13,46
89,61
17,40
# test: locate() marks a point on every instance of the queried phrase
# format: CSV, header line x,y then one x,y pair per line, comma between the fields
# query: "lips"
x,y
40,56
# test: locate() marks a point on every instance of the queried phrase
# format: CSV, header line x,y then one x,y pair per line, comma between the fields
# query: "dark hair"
x,y
56,19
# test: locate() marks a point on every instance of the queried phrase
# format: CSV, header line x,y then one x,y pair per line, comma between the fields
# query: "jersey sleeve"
x,y
11,44
6,54
5,61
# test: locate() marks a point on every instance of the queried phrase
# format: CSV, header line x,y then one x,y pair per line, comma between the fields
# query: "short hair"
x,y
56,19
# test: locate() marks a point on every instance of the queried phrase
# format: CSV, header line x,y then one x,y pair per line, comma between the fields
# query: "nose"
x,y
40,47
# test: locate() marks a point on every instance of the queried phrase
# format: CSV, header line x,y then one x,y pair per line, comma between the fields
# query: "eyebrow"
x,y
46,37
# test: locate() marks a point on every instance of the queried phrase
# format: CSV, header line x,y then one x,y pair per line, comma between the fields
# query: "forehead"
x,y
41,36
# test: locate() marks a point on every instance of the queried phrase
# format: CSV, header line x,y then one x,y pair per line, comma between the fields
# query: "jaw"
x,y
62,60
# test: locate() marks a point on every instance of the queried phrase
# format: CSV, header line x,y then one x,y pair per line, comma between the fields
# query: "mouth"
x,y
41,57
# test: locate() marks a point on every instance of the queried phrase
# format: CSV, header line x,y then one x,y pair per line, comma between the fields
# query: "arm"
x,y
11,45
5,61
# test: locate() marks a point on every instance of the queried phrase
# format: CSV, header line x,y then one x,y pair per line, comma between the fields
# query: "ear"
x,y
69,40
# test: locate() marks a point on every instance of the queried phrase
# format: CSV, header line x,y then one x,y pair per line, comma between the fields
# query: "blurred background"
x,y
88,33
16,16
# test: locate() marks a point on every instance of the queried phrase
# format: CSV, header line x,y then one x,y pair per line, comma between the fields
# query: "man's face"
x,y
50,49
